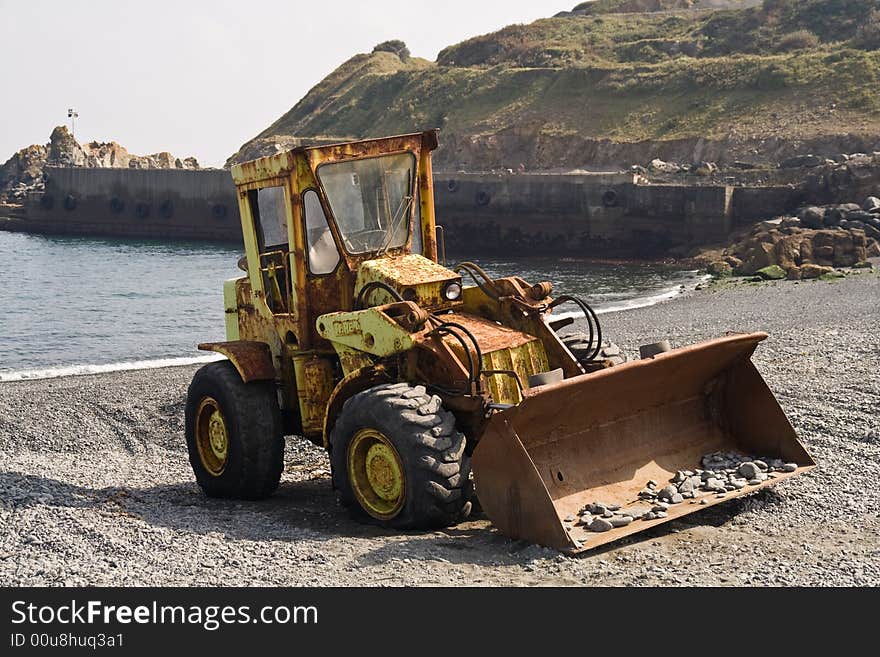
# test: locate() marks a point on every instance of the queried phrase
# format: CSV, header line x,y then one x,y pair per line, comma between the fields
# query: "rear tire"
x,y
233,434
416,441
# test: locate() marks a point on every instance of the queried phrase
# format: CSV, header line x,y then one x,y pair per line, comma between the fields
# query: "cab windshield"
x,y
371,200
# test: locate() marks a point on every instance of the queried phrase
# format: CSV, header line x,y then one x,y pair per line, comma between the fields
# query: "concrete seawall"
x,y
595,214
142,203
591,214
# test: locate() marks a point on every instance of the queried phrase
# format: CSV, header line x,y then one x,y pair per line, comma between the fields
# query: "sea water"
x,y
78,305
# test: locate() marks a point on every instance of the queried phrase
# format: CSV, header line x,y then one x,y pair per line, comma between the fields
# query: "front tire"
x,y
233,434
398,460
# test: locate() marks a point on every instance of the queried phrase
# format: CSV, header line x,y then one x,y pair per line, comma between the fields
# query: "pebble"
x,y
667,492
597,508
748,470
763,466
650,515
704,501
660,514
660,506
600,525
652,483
608,514
612,507
789,467
569,519
754,482
621,521
677,498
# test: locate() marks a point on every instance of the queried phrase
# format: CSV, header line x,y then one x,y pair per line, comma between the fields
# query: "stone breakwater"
x,y
808,245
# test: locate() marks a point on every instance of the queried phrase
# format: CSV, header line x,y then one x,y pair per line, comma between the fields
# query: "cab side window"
x,y
267,206
323,254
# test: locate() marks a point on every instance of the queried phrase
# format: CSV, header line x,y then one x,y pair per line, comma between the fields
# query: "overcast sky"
x,y
201,77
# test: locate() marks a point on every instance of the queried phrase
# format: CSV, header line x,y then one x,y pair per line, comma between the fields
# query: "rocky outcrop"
x,y
24,170
807,246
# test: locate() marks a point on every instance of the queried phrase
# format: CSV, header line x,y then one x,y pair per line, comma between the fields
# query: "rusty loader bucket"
x,y
603,436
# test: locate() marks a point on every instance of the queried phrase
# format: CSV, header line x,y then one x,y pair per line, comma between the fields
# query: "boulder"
x,y
811,216
660,166
720,269
704,169
771,224
833,217
814,271
802,161
859,215
787,251
733,261
757,257
771,273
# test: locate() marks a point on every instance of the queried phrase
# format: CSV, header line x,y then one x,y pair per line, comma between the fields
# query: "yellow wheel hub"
x,y
376,473
212,437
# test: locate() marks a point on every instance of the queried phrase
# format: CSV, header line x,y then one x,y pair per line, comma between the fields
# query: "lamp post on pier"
x,y
72,114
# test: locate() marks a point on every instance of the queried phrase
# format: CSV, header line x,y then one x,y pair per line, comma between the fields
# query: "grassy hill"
x,y
583,87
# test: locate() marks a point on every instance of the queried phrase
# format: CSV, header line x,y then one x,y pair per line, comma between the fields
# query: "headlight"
x,y
452,291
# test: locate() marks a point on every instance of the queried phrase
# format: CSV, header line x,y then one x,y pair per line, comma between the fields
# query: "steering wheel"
x,y
362,240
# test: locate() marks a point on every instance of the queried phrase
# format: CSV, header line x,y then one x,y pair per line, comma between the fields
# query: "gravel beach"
x,y
96,489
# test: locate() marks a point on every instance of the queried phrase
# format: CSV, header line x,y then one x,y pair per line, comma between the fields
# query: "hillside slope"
x,y
598,87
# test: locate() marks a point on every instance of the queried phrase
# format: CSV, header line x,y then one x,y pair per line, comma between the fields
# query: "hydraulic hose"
x,y
475,366
473,270
592,320
369,287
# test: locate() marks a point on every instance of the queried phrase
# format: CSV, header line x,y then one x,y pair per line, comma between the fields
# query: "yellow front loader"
x,y
431,394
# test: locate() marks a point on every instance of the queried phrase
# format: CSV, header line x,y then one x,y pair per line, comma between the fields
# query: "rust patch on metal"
x,y
253,360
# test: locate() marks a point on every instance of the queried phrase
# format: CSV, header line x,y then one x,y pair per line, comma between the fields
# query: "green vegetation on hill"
x,y
790,69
